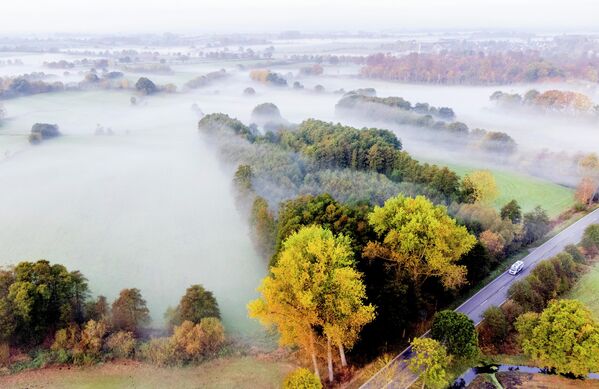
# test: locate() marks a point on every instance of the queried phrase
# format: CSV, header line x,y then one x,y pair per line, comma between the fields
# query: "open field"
x,y
528,191
587,290
232,372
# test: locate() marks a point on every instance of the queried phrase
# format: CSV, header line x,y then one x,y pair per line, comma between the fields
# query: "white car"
x,y
516,268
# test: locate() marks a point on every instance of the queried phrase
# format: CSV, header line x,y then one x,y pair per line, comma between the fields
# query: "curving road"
x,y
396,373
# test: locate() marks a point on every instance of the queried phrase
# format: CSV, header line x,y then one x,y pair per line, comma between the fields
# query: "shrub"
x,y
159,351
302,379
590,240
121,344
456,332
575,252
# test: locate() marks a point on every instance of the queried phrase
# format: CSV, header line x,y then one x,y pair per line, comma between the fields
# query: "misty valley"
x,y
319,201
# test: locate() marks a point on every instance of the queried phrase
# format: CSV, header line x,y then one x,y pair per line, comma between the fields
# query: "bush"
x,y
302,379
159,351
575,252
121,344
496,323
590,240
456,332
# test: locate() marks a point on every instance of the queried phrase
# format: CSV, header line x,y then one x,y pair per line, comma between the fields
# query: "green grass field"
x,y
587,290
528,191
232,372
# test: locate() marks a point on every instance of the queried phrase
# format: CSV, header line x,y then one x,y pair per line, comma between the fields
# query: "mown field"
x,y
528,191
232,372
587,290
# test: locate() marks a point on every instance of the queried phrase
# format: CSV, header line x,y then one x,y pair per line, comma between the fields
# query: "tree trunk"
x,y
330,360
313,352
342,355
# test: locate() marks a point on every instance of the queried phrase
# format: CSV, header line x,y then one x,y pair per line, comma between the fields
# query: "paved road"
x,y
396,374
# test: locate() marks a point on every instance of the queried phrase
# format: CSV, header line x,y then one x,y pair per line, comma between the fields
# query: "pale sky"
x,y
188,16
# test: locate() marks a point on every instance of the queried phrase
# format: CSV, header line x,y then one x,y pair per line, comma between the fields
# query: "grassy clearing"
x,y
528,191
587,290
233,372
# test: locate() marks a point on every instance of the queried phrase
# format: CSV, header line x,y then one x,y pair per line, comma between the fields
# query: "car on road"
x,y
516,268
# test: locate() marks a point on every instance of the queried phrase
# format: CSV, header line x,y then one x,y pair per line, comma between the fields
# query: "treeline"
x,y
559,334
438,121
450,67
206,79
47,312
305,153
551,101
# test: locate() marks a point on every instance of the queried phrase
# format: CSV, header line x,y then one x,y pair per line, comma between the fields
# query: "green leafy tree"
x,y
456,332
129,311
564,337
430,360
536,225
264,227
302,379
512,212
421,239
590,239
196,304
146,86
495,325
44,297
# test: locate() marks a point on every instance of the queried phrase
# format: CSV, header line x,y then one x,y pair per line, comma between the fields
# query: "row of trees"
x,y
438,121
559,334
43,303
475,68
313,245
552,100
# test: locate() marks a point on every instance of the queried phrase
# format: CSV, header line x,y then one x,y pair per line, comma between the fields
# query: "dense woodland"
x,y
504,67
438,121
567,102
404,287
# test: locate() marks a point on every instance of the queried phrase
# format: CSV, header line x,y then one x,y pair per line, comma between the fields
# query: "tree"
x,y
512,212
302,379
196,304
98,309
585,191
146,86
479,186
430,361
493,242
264,227
44,297
536,225
495,324
588,166
456,332
243,179
421,239
590,239
129,311
564,337
313,285
528,298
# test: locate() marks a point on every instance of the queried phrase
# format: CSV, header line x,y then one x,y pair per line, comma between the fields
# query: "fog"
x,y
152,205
311,15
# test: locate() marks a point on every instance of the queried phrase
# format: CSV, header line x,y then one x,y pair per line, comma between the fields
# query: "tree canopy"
x,y
564,337
421,238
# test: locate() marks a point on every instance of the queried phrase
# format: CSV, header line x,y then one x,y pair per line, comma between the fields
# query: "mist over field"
x,y
317,194
151,206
